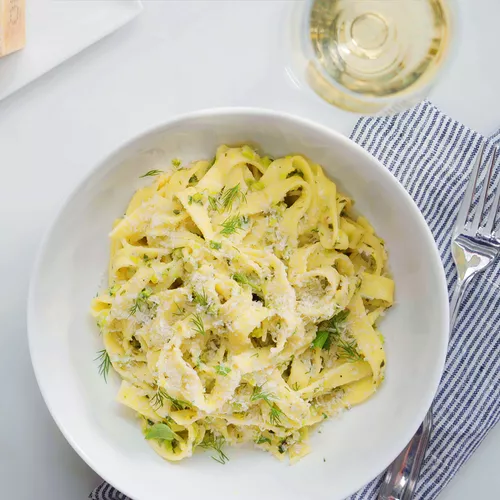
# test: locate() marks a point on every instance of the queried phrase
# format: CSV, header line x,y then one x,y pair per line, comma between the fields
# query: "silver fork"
x,y
474,245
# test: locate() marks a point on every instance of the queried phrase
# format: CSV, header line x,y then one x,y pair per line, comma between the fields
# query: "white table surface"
x,y
176,57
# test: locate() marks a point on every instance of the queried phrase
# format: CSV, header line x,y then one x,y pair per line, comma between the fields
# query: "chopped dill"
x,y
178,404
158,399
180,310
105,363
346,349
161,395
142,303
176,162
193,179
215,443
231,195
197,323
232,224
201,298
151,173
258,394
275,413
243,279
215,245
213,203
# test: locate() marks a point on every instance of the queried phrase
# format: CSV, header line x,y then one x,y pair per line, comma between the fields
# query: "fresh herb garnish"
x,y
158,398
112,291
177,212
243,279
232,194
180,310
198,325
142,303
201,298
275,413
216,444
162,432
193,179
232,224
259,394
347,349
105,363
178,404
222,370
321,338
176,162
213,203
161,395
215,245
151,173
330,330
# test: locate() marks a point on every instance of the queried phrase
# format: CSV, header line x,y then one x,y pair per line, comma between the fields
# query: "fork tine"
x,y
469,193
484,194
488,228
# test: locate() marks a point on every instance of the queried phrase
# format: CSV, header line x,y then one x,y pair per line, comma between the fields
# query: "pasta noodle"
x,y
242,304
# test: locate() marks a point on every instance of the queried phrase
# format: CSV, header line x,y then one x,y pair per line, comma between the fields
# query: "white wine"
x,y
376,55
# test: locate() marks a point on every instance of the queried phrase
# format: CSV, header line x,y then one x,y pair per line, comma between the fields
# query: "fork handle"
x,y
456,300
402,475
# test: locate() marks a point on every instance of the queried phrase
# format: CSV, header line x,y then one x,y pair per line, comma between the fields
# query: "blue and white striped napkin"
x,y
432,155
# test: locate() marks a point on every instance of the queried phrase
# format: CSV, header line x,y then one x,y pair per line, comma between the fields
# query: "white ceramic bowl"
x,y
350,450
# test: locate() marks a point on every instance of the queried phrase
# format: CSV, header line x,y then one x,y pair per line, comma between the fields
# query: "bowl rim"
x,y
441,293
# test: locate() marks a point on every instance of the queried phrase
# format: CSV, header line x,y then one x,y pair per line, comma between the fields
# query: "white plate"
x,y
56,31
352,449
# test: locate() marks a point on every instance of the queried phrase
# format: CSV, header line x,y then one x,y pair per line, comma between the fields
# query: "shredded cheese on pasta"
x,y
242,301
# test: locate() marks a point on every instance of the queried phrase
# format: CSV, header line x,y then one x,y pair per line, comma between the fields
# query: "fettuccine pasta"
x,y
242,304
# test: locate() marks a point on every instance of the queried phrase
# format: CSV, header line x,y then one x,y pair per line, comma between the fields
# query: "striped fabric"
x,y
431,155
